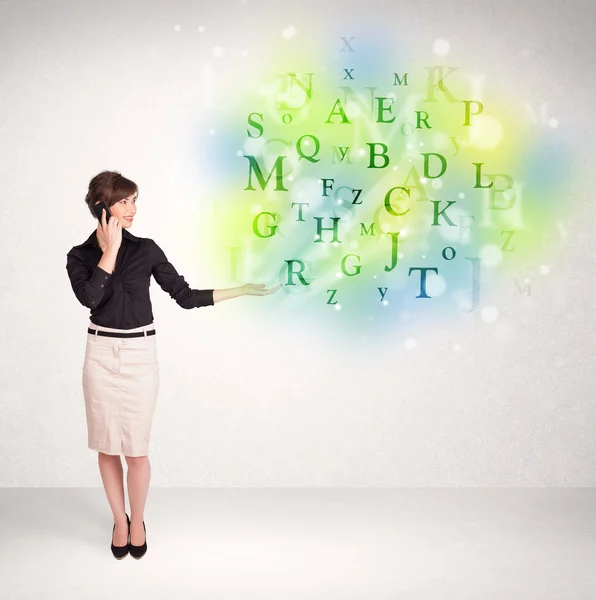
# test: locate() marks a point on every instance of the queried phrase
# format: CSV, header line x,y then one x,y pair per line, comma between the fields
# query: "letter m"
x,y
525,291
369,231
253,166
402,81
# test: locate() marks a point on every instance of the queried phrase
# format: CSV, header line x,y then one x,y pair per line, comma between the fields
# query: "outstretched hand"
x,y
258,289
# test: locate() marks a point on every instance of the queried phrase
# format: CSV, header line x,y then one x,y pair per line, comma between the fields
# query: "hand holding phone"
x,y
109,234
97,209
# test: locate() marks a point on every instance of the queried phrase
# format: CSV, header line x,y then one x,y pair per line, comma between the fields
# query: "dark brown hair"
x,y
110,187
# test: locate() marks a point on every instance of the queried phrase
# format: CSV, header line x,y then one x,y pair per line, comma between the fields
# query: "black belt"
x,y
119,335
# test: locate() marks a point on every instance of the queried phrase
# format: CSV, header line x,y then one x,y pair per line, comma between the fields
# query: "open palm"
x,y
258,289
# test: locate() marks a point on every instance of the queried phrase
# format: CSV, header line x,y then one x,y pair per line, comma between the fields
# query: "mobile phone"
x,y
97,209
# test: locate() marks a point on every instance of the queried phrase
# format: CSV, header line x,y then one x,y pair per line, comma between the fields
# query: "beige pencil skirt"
x,y
120,386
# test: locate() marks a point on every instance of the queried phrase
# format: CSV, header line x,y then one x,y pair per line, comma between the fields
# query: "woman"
x,y
110,274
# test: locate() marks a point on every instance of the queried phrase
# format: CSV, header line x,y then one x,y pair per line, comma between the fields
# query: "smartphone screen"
x,y
97,208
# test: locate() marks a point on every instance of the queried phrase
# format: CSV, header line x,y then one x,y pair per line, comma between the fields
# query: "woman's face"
x,y
125,210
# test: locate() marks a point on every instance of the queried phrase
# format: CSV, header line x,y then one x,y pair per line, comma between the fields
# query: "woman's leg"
x,y
110,467
138,477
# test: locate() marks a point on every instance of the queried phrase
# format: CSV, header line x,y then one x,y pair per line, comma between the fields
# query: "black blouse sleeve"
x,y
174,284
89,286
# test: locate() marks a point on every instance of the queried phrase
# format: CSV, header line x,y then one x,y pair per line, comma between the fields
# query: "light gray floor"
x,y
290,543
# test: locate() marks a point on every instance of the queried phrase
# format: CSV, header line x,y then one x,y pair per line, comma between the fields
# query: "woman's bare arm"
x,y
248,289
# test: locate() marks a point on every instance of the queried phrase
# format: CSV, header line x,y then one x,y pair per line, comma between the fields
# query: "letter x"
x,y
347,44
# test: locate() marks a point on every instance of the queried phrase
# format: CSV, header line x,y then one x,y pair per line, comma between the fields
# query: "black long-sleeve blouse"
x,y
121,299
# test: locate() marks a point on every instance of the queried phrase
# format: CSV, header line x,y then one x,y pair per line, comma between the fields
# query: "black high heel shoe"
x,y
120,552
138,551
